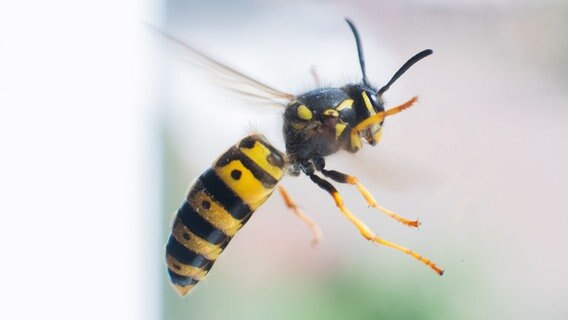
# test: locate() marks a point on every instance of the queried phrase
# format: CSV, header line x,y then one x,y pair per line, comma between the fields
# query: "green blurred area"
x,y
355,291
350,294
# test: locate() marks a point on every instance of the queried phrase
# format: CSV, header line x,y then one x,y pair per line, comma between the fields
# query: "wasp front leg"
x,y
345,178
365,231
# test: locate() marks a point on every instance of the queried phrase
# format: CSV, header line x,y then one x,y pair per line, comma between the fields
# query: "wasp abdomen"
x,y
219,203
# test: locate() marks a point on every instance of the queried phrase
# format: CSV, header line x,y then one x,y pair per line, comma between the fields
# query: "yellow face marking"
x,y
184,269
214,213
348,103
331,113
259,154
194,243
304,113
182,291
247,187
368,104
339,128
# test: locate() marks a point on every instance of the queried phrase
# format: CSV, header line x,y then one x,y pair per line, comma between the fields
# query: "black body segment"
x,y
318,123
225,196
219,203
323,121
200,227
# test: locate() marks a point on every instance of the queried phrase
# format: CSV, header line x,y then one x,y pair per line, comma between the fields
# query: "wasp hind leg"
x,y
316,231
345,178
364,229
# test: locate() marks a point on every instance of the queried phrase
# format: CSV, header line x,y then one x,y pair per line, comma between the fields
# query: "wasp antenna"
x,y
417,57
359,49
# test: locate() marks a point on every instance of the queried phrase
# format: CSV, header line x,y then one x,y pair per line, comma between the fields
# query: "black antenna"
x,y
359,50
417,57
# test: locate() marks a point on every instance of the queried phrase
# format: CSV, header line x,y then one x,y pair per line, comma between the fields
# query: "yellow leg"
x,y
344,178
365,230
316,231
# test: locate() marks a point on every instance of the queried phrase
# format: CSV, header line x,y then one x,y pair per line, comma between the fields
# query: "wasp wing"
x,y
231,78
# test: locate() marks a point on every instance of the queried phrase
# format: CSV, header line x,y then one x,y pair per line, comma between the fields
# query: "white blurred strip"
x,y
75,189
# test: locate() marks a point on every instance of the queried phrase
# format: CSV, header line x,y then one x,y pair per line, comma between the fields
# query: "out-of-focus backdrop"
x,y
103,128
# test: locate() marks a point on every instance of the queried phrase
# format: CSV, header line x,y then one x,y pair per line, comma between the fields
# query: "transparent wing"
x,y
231,78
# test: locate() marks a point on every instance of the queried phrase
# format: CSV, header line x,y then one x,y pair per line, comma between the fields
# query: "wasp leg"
x,y
364,229
344,178
316,231
380,116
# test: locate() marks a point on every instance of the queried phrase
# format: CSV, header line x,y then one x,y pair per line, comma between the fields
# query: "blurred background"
x,y
103,127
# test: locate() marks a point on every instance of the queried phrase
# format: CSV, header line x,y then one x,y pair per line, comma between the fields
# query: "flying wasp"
x,y
317,123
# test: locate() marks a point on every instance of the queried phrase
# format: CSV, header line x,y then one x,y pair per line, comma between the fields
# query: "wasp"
x,y
317,123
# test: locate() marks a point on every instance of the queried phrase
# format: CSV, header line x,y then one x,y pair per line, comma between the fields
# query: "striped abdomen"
x,y
219,203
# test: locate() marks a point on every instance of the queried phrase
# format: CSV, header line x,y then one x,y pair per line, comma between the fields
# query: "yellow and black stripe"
x,y
219,203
